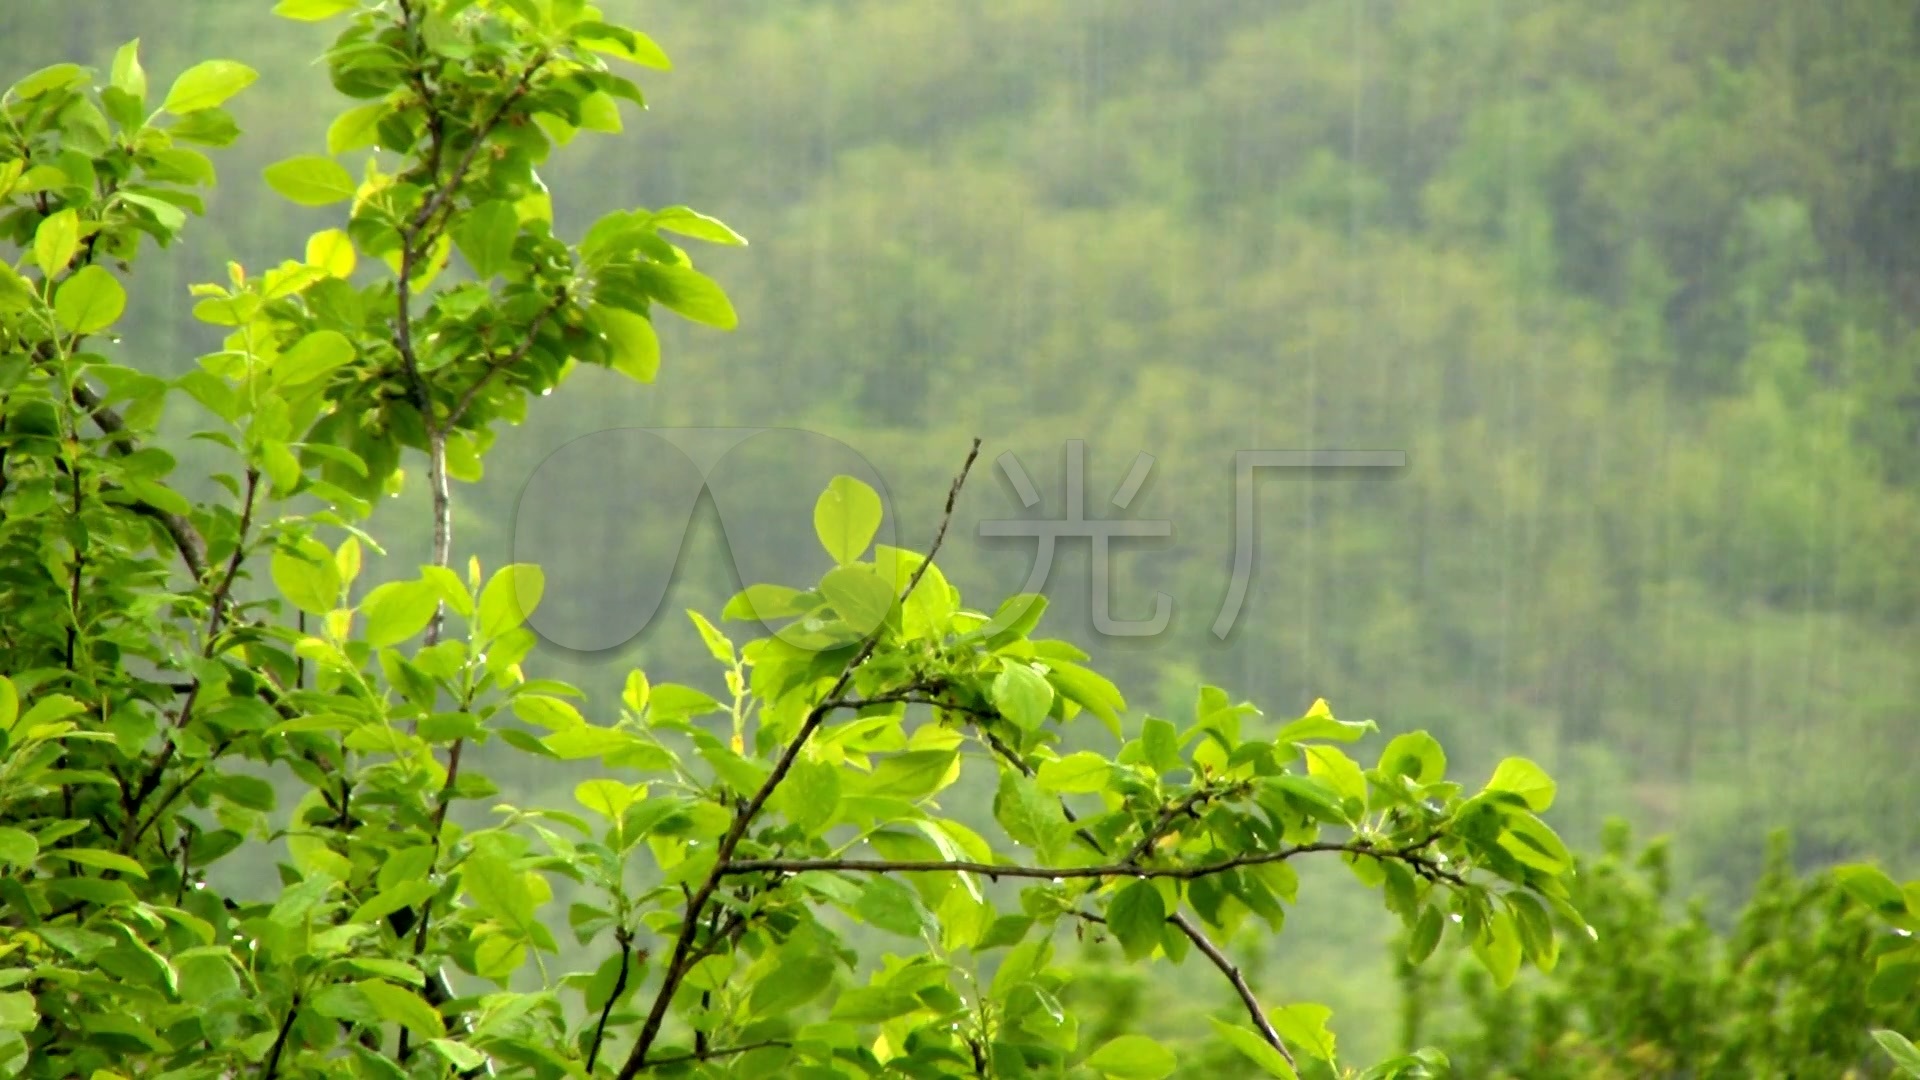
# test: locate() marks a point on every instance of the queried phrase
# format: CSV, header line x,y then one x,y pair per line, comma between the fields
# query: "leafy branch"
x,y
831,702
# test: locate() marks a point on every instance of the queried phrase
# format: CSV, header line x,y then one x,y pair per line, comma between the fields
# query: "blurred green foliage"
x,y
1786,987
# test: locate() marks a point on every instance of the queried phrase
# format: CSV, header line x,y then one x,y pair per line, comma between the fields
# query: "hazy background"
x,y
1632,285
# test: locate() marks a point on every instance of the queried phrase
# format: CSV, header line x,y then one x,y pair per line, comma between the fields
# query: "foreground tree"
x,y
147,680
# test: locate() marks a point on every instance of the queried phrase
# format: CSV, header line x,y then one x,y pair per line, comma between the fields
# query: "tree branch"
x,y
709,1055
1235,977
272,1068
496,367
186,539
683,944
995,871
625,939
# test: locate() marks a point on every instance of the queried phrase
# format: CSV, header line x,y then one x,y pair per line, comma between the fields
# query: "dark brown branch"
x,y
625,939
272,1068
224,589
494,368
677,965
1172,813
215,620
1062,873
1235,977
186,539
709,1055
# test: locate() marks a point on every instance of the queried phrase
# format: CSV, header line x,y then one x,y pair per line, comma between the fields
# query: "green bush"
x,y
1791,987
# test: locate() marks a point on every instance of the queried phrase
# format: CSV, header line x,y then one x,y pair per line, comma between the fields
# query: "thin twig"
x,y
725,1051
280,1040
625,939
186,539
1062,873
496,367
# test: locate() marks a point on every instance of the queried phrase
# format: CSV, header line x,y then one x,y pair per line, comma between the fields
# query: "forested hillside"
x,y
1634,287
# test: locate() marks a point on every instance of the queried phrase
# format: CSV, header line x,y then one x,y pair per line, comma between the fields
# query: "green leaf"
x,y
1530,840
1525,779
509,596
500,890
18,847
762,603
809,796
1022,695
313,10
1016,618
1089,690
913,775
9,703
399,1005
1315,796
49,708
1304,1025
1030,816
485,236
16,294
313,584
398,610
688,222
845,518
356,128
608,798
1161,744
104,860
392,970
791,984
688,292
89,301
1871,886
891,906
717,644
1426,933
1133,1057
1899,1049
1135,915
1078,773
1415,754
311,357
310,180
860,597
1255,1048
1498,948
635,346
206,85
459,1055
18,1012
671,701
128,76
630,45
55,240
1338,770
50,80
1319,723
